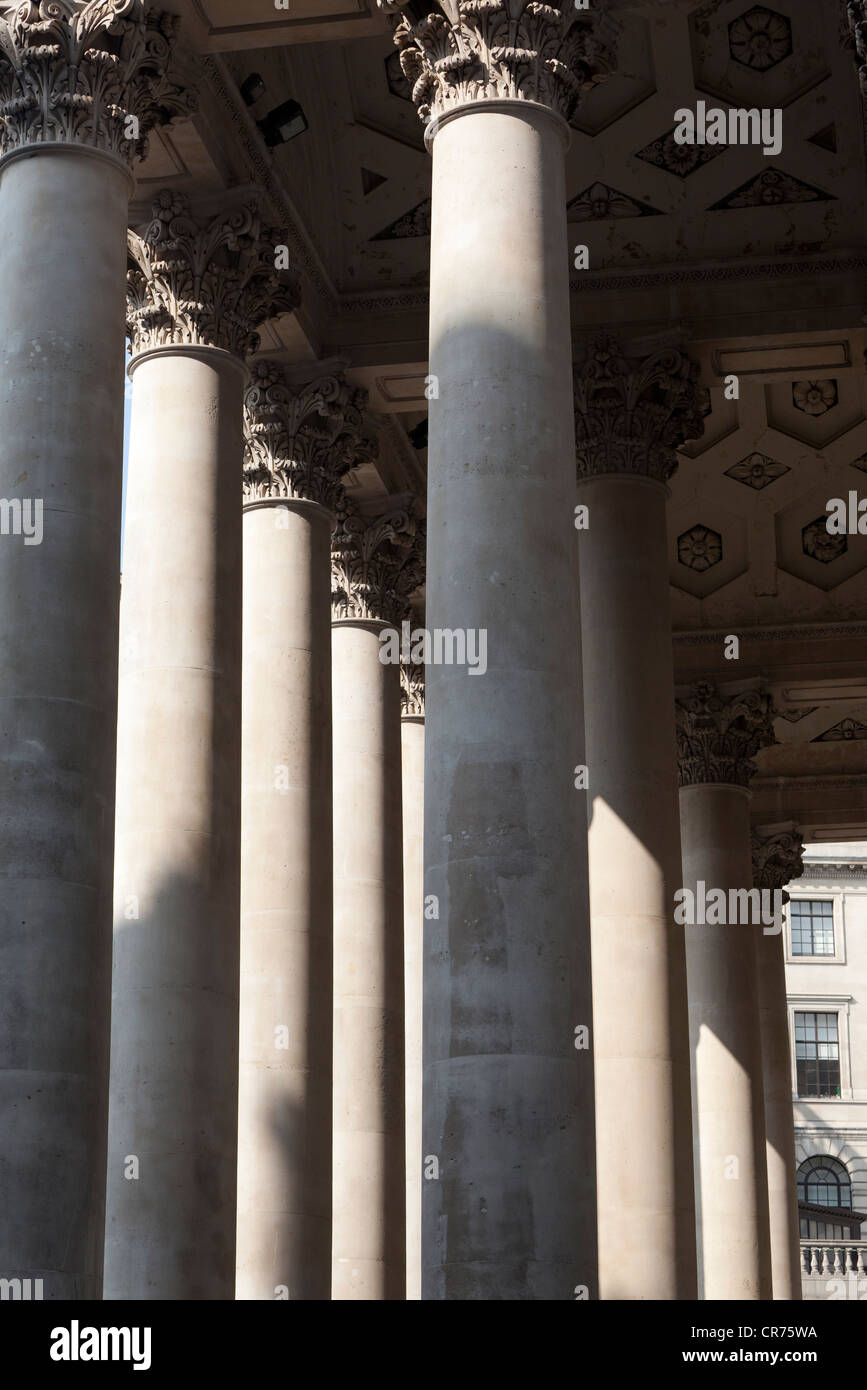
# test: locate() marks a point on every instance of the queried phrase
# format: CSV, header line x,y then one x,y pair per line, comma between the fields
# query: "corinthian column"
x,y
412,682
301,439
197,290
508,1111
80,85
375,566
630,415
777,859
717,738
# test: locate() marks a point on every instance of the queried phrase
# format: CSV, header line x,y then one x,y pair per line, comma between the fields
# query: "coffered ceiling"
x,y
757,264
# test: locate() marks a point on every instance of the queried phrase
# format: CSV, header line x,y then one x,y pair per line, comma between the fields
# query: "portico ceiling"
x,y
757,263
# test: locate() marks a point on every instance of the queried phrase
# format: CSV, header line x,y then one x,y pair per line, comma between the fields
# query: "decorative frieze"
x,y
87,72
412,687
204,281
376,565
631,414
718,736
302,440
777,859
461,51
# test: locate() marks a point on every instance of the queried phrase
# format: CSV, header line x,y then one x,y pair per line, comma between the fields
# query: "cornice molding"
x,y
713,637
718,736
632,413
619,279
820,873
87,72
376,565
302,440
460,51
204,281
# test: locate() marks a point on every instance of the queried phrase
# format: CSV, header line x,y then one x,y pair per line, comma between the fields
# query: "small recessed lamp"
x,y
252,88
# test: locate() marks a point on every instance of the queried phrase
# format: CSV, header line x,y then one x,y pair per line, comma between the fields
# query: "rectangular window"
x,y
817,1054
812,925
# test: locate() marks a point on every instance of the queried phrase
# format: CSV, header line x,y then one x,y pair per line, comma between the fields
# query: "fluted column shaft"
x,y
641,1053
716,739
776,861
171,1196
64,189
412,763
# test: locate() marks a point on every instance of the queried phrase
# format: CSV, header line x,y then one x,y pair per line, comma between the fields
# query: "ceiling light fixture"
x,y
283,124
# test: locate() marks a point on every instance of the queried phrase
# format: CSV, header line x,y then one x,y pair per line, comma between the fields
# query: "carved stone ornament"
x,y
717,737
631,414
302,440
412,690
460,51
87,72
857,15
376,565
204,282
777,859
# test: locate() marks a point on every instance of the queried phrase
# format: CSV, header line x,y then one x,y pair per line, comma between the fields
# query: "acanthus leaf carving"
x,y
718,736
412,689
631,414
302,440
856,11
376,565
204,282
462,51
76,71
777,859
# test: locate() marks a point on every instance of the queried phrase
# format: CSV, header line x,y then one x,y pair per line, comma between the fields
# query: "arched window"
x,y
824,1182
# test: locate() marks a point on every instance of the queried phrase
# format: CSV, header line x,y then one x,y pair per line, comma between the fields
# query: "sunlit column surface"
x,y
170,1221
717,737
630,413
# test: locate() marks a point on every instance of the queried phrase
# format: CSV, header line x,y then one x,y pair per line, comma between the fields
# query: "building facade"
x,y
412,836
825,982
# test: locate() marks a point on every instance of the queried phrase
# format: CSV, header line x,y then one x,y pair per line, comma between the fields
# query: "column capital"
x,y
412,690
856,11
632,413
718,735
302,439
777,858
87,72
376,564
459,51
204,281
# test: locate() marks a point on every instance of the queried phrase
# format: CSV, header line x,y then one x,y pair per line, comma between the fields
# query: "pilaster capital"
x,y
376,565
459,51
301,440
87,72
207,282
412,687
856,11
718,736
632,413
777,858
